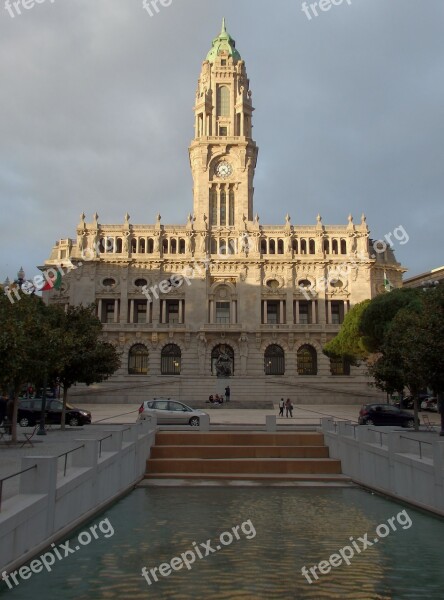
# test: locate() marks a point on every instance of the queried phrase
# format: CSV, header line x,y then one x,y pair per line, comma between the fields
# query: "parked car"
x,y
385,414
430,404
29,411
170,412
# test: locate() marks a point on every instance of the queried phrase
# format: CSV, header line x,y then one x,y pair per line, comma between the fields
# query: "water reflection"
x,y
295,528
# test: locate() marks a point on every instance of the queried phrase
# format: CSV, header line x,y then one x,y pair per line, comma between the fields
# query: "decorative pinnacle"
x,y
224,27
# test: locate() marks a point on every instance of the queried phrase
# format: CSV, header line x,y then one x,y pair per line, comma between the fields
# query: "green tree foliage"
x,y
39,343
380,312
84,357
28,343
348,344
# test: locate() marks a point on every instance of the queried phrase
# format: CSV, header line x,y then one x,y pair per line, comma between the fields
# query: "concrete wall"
x,y
390,462
51,503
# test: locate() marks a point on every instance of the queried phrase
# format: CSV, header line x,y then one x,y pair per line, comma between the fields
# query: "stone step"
x,y
227,452
325,478
242,465
238,438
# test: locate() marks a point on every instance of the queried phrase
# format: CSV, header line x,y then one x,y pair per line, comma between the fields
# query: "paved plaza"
x,y
109,417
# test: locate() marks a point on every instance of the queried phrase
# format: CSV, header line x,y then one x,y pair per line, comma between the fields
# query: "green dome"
x,y
223,42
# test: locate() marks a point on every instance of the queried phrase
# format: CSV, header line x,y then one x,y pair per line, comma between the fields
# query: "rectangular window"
x,y
232,208
273,313
223,131
172,311
213,207
107,311
304,313
223,207
337,313
223,313
140,312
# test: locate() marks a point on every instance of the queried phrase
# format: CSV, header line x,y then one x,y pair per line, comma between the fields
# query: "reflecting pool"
x,y
284,529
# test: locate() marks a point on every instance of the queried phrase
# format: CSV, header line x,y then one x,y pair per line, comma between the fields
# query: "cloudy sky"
x,y
96,115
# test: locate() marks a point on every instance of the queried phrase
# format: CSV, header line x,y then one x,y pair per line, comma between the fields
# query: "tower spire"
x,y
224,27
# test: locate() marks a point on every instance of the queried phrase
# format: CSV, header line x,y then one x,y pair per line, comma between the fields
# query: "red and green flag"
x,y
53,282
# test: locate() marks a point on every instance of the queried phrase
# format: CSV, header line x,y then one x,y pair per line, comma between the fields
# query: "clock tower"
x,y
223,154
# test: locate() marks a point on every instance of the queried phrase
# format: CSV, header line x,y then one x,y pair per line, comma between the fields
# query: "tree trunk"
x,y
14,415
415,406
65,398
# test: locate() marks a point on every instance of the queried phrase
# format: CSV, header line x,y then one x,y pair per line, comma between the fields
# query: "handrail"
x,y
100,443
10,477
65,454
116,416
381,433
420,442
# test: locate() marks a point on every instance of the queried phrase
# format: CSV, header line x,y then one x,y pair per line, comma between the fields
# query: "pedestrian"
x,y
227,393
281,407
289,406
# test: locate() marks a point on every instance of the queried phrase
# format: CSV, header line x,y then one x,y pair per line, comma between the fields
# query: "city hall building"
x,y
222,294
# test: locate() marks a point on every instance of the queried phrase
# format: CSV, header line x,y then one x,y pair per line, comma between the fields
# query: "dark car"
x,y
29,411
385,414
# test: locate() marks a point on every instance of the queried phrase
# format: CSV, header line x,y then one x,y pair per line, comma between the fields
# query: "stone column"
x,y
116,311
329,316
180,312
131,319
265,303
313,312
164,311
281,312
297,312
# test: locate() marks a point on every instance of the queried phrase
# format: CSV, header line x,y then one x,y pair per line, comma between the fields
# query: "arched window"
x,y
326,246
312,246
173,246
272,247
213,246
303,246
142,246
280,246
102,246
222,361
334,247
181,246
295,247
307,360
274,360
165,246
263,246
339,366
231,246
134,246
223,101
138,360
119,246
343,247
150,247
223,207
213,206
171,360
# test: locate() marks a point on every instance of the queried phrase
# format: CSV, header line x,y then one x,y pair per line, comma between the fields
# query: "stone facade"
x,y
223,293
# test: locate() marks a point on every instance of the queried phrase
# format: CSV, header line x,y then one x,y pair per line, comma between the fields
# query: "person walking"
x,y
289,408
281,407
227,393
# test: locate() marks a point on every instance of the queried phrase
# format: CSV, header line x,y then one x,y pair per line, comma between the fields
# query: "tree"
x,y
348,344
380,312
83,357
27,345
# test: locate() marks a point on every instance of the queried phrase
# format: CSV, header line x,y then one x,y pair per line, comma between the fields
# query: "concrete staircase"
x,y
295,456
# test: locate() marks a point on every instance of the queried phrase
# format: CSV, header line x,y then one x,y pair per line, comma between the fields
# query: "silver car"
x,y
170,412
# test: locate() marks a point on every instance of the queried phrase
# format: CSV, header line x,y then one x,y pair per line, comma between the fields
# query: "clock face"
x,y
224,169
